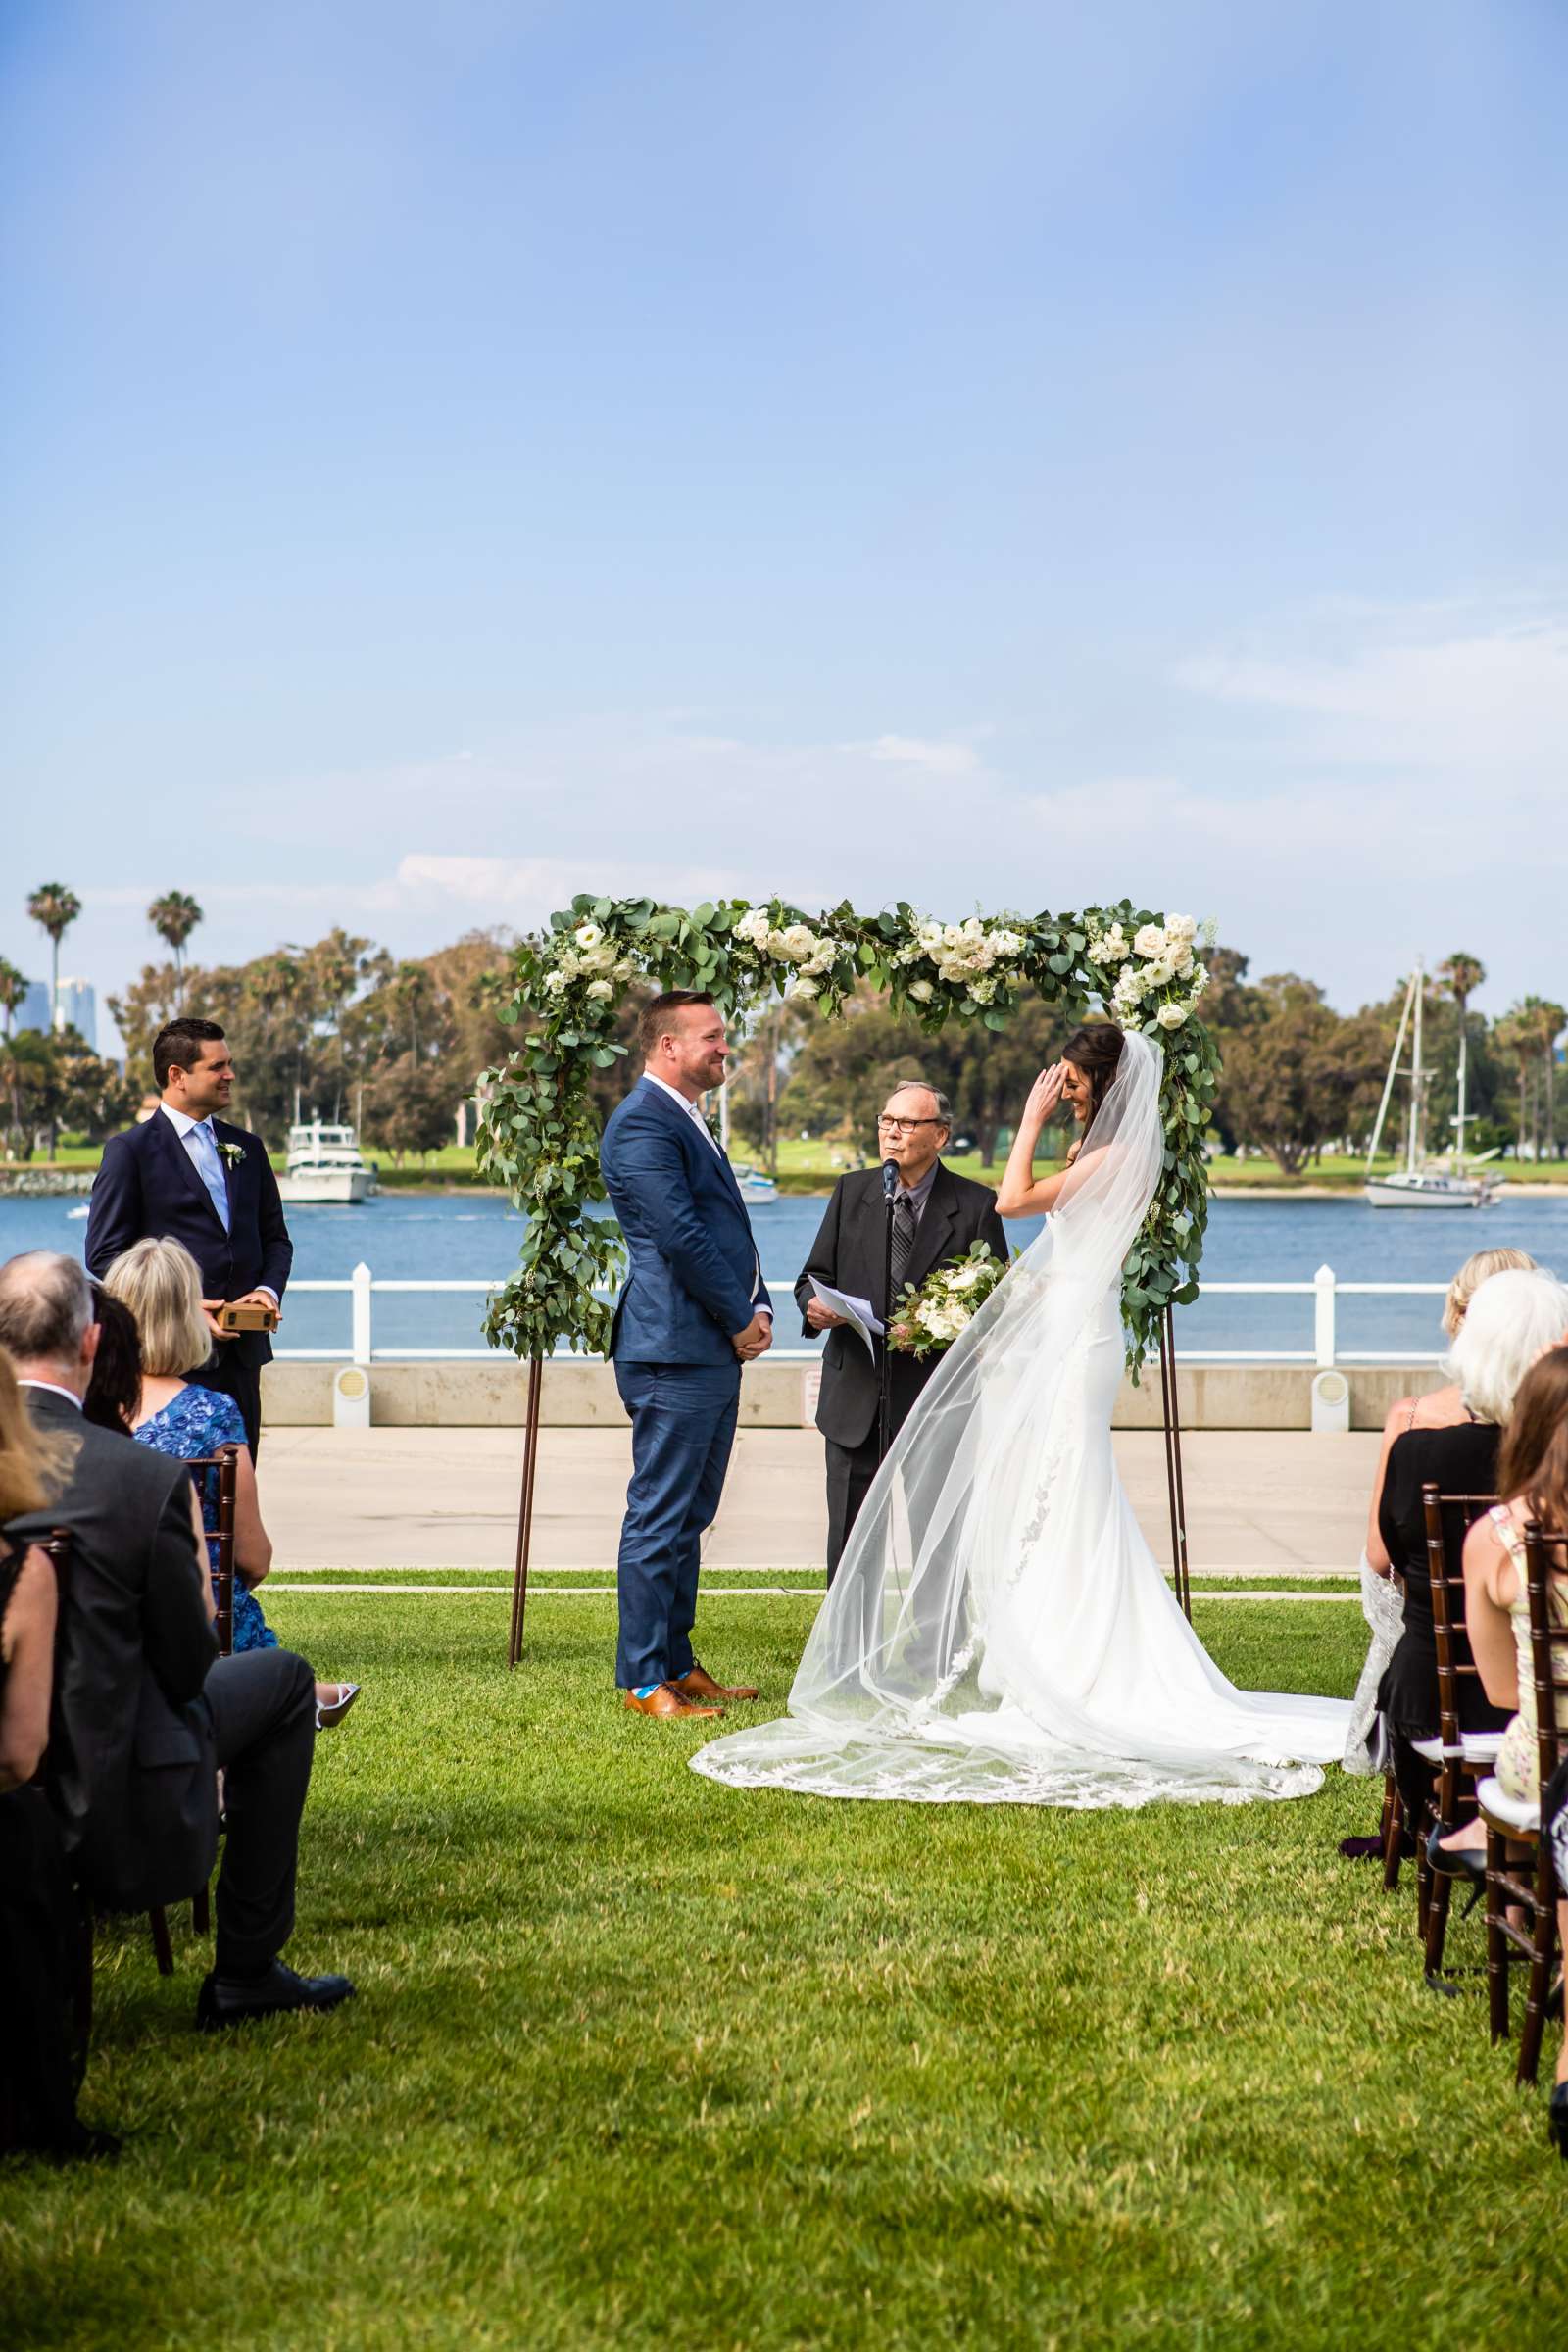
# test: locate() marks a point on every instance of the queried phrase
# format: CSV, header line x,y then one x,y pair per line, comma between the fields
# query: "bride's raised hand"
x,y
1044,1095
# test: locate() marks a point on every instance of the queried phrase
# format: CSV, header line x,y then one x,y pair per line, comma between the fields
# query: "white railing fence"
x,y
1324,1290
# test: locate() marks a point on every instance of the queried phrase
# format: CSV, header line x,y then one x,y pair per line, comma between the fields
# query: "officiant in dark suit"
x,y
937,1218
186,1175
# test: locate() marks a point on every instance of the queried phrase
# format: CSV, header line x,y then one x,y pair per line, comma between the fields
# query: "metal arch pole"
x,y
530,1465
1174,1486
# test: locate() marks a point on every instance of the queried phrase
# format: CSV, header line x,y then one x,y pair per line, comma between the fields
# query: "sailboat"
x,y
1418,1185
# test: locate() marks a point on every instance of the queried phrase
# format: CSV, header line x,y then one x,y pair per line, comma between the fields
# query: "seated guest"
x,y
45,1946
1510,1318
145,1713
157,1282
1382,1597
1533,1484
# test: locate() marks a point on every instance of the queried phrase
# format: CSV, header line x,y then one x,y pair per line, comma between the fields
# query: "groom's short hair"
x,y
658,1016
178,1047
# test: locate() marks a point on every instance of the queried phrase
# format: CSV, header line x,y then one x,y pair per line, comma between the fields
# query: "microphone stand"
x,y
884,1423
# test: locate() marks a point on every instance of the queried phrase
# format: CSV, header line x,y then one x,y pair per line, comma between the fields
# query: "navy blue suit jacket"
x,y
148,1186
694,1278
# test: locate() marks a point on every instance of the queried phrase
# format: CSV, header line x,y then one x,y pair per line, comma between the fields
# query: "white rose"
x,y
1150,940
777,946
800,986
1171,1017
751,926
555,984
799,942
1179,927
952,935
600,989
921,991
1183,963
588,935
599,959
625,969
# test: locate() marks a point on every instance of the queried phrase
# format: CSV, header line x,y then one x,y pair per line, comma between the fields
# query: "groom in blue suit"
x,y
694,1309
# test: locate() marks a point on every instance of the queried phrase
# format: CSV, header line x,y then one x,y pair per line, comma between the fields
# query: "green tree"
x,y
13,986
174,917
54,909
1293,1078
1462,975
409,1106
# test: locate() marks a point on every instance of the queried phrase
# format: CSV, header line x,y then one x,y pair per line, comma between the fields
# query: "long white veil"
x,y
967,1649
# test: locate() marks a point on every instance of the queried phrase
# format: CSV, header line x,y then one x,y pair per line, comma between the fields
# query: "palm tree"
x,y
14,987
174,917
1548,1021
1462,975
54,909
1518,1034
413,988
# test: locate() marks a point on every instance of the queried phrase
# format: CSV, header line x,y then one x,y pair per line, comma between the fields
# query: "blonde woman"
x,y
160,1284
1382,1590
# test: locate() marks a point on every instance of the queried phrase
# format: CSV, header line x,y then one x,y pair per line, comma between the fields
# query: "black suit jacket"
x,y
148,1186
850,1252
129,1767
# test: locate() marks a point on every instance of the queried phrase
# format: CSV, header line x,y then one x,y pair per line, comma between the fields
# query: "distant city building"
x,y
78,1008
34,1011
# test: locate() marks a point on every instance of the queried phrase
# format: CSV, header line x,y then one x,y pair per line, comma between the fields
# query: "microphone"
x,y
890,1179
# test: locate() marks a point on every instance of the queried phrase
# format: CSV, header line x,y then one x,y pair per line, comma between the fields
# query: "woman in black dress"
x,y
1509,1320
45,1938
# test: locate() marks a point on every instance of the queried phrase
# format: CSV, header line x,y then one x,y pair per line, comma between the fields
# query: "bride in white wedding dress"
x,y
998,1632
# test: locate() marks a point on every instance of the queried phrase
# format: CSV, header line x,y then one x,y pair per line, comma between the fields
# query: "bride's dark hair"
x,y
1095,1050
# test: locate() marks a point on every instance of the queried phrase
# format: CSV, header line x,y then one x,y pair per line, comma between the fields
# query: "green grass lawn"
x,y
637,2059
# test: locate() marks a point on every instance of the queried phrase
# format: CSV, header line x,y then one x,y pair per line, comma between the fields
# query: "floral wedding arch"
x,y
539,1129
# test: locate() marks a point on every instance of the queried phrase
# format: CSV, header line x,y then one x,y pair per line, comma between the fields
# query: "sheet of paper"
x,y
857,1312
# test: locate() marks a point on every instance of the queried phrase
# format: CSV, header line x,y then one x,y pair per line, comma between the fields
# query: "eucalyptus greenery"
x,y
539,1131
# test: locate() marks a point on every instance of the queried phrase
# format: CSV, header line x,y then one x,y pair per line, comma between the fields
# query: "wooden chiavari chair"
x,y
1462,1757
224,1464
1510,1819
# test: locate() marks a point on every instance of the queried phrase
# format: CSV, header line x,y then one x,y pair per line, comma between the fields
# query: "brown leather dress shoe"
x,y
668,1698
697,1682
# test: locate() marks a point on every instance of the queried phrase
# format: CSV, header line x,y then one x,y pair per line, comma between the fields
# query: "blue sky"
x,y
1013,455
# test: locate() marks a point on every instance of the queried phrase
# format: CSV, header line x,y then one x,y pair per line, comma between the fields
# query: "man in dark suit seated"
x,y
187,1175
145,1711
937,1218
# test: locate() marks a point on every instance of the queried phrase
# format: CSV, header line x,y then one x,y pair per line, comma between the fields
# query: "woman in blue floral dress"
x,y
159,1282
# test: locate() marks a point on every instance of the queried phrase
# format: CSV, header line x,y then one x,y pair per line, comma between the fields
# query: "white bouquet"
x,y
930,1318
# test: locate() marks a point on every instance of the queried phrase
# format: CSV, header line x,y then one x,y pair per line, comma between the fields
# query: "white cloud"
x,y
938,759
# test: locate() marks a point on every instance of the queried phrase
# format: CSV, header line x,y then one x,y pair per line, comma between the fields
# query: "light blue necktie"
x,y
210,1168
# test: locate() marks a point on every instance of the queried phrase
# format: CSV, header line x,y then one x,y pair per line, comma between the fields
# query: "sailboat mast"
x,y
1459,1119
1417,1076
1387,1082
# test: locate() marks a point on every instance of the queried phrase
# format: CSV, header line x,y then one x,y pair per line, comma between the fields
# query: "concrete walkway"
x,y
1258,1501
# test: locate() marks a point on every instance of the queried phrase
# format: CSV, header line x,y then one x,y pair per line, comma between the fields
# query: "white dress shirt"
x,y
54,1388
201,1149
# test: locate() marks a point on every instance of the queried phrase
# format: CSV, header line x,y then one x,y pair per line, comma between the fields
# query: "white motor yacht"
x,y
326,1166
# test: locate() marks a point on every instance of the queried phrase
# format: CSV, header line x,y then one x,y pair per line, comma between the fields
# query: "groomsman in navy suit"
x,y
694,1309
186,1175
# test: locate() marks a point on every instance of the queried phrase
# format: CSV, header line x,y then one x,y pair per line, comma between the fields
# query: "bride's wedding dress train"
x,y
999,1631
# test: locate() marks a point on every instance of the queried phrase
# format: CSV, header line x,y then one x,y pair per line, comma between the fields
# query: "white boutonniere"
x,y
231,1154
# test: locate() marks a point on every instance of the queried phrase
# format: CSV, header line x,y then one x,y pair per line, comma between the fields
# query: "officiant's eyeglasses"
x,y
901,1126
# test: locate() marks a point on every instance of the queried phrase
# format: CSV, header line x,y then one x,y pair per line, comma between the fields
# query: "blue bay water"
x,y
458,1237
